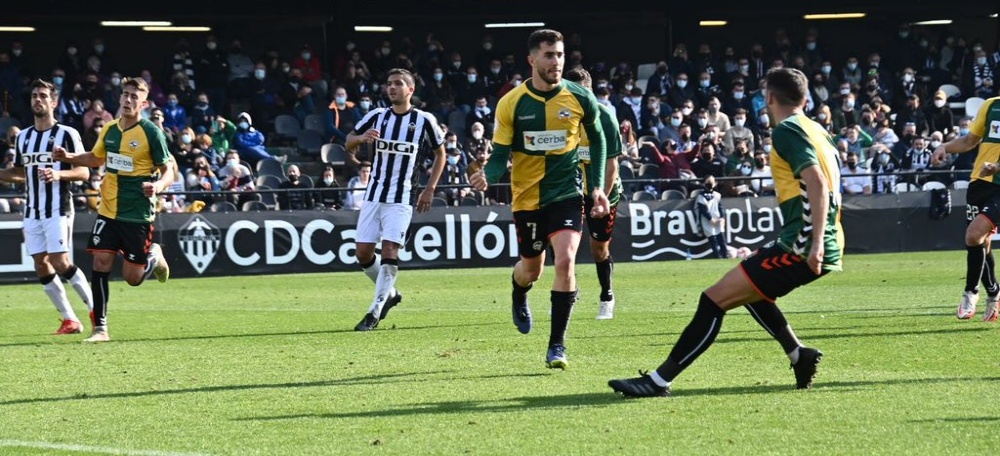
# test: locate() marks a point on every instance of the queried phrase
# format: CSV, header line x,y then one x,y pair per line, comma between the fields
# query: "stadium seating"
x,y
644,71
902,187
310,142
643,195
672,194
333,154
315,123
286,129
952,90
933,185
960,184
972,106
270,166
439,202
268,198
254,206
268,180
222,206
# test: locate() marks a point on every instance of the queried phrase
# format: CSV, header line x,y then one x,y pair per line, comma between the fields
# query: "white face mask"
x,y
702,122
821,116
939,103
981,60
907,77
845,91
259,74
682,83
328,180
704,82
738,95
686,111
675,122
472,78
826,69
935,144
186,139
628,87
767,148
452,160
849,103
764,119
365,104
477,135
116,81
232,163
739,122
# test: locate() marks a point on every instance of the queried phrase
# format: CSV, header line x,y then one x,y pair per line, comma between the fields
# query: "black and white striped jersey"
x,y
401,137
33,151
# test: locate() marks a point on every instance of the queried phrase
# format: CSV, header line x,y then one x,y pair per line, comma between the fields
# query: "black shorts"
x,y
773,272
131,239
600,228
534,228
983,198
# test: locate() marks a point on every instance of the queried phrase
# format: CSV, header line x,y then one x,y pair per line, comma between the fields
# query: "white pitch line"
x,y
89,449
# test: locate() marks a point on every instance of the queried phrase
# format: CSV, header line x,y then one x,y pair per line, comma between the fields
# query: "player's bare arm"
x,y
76,174
353,140
427,195
87,159
958,145
15,175
163,183
818,192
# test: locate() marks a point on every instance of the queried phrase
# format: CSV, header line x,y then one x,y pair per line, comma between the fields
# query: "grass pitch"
x,y
271,365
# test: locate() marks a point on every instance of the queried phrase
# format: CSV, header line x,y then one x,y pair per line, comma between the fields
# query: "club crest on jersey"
x,y
412,126
133,144
995,129
199,240
565,113
537,246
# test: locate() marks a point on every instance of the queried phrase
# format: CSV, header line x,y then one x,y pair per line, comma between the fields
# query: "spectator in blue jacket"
x,y
249,142
174,115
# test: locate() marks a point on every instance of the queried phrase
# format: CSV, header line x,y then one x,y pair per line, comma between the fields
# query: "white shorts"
x,y
49,235
383,221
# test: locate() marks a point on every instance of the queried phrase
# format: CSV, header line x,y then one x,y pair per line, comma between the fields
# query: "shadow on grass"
x,y
981,419
60,340
571,401
724,339
409,377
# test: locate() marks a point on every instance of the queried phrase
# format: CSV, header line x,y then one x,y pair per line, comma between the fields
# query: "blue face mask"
x,y
58,80
438,76
171,103
340,100
453,160
244,125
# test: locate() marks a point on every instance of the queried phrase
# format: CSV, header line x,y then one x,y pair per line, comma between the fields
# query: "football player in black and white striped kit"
x,y
396,134
48,213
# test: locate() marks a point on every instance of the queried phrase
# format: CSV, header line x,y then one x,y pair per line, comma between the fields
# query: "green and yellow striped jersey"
x,y
540,133
131,156
799,143
986,125
613,139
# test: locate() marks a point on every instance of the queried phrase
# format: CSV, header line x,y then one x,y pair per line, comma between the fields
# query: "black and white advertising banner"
x,y
239,243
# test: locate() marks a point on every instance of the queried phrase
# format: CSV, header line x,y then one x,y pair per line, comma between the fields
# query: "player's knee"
x,y
60,263
599,251
133,278
564,264
977,232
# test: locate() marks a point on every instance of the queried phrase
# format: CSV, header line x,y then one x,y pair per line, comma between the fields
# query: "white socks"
x,y
57,294
384,287
82,287
372,270
793,355
659,380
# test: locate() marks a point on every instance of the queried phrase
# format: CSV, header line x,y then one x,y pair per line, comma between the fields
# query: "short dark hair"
x,y
139,84
365,164
407,75
788,85
540,36
40,84
579,76
740,111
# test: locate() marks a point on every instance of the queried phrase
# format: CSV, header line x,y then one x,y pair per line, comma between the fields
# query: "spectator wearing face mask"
x,y
630,108
824,118
977,71
454,174
483,115
854,179
706,90
760,177
308,64
249,142
845,114
711,223
202,114
964,162
236,177
681,93
476,139
737,99
739,131
883,162
296,198
183,150
916,159
661,82
939,116
340,116
325,197
671,130
174,115
913,113
438,95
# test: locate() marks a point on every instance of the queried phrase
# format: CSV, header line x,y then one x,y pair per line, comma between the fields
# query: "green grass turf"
x,y
271,365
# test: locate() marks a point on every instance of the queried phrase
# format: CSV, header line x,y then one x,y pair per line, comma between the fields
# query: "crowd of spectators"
x,y
696,113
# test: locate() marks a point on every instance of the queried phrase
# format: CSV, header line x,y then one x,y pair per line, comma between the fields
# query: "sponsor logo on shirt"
x,y
584,153
545,140
119,162
395,147
40,158
994,129
531,117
